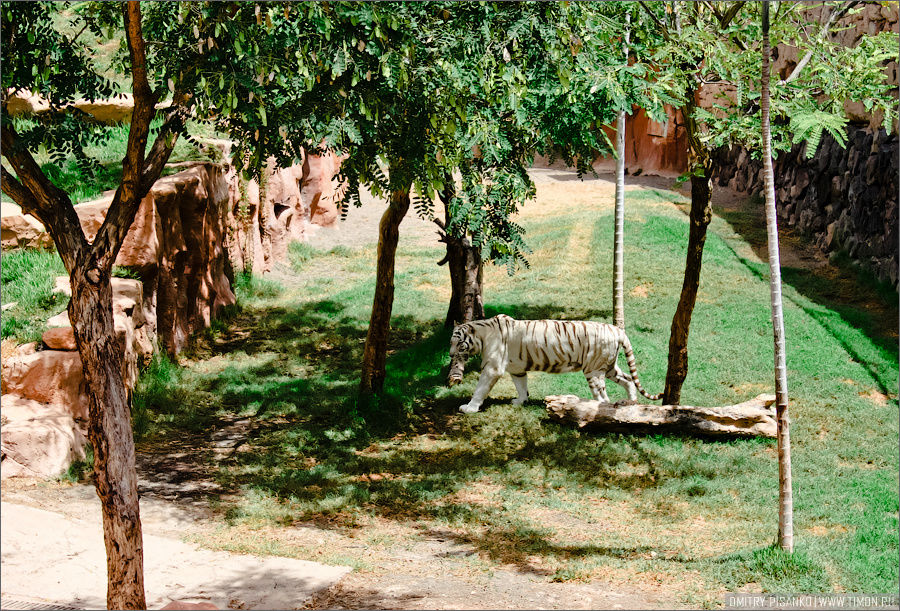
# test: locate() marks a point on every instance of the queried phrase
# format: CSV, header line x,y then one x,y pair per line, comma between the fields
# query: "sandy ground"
x,y
51,558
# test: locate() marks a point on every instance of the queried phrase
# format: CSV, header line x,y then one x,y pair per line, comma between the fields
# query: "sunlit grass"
x,y
27,280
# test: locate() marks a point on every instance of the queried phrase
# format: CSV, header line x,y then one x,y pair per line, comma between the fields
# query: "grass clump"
x,y
28,279
249,287
299,254
80,470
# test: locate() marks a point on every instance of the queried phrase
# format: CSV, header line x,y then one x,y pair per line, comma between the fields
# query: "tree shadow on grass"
x,y
838,292
287,439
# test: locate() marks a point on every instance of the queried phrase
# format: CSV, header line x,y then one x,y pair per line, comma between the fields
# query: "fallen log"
x,y
753,418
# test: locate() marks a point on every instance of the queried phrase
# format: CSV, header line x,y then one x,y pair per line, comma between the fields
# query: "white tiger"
x,y
555,346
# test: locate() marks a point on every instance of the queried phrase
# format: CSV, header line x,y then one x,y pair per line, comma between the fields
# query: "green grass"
x,y
27,279
697,516
80,470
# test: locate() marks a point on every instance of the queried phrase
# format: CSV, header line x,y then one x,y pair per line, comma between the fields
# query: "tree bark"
x,y
753,418
700,163
700,216
619,237
785,492
466,271
466,282
375,351
110,434
265,211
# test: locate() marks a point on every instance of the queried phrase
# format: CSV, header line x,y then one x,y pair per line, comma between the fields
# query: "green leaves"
x,y
704,54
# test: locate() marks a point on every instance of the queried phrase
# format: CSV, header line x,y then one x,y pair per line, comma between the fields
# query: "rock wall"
x,y
176,246
45,404
844,200
195,227
652,147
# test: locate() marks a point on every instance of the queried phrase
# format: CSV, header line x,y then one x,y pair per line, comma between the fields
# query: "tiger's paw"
x,y
468,409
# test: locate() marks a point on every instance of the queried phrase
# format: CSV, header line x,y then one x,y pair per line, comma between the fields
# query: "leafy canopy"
x,y
701,49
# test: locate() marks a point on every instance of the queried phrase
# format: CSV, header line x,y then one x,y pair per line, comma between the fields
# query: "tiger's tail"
x,y
629,355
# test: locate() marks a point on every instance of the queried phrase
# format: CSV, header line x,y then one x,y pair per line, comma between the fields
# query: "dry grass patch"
x,y
558,198
641,290
879,399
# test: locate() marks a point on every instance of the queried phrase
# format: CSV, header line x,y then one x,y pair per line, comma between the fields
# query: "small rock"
x,y
60,320
59,338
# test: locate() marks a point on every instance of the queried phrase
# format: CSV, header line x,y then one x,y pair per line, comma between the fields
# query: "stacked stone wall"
x,y
842,199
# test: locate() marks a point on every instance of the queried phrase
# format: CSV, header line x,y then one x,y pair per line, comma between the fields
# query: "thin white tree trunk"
x,y
619,237
785,495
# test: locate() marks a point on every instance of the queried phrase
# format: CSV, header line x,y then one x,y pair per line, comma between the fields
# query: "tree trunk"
x,y
265,211
466,279
466,271
90,312
375,351
90,309
619,238
753,418
785,493
700,216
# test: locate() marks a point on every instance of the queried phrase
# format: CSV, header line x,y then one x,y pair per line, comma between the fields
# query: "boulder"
x,y
59,338
48,376
91,215
60,320
23,231
38,440
111,111
25,349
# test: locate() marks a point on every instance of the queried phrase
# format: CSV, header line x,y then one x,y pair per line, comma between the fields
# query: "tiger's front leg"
x,y
489,377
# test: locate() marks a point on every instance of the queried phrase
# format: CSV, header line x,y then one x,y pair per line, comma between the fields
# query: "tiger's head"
x,y
463,343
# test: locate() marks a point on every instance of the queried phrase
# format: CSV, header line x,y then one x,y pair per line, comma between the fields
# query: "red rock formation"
x,y
23,231
652,147
38,440
177,247
45,404
319,192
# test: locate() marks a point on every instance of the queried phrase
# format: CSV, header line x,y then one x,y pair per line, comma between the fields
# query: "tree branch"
x,y
662,27
124,206
835,15
730,14
19,194
41,198
165,142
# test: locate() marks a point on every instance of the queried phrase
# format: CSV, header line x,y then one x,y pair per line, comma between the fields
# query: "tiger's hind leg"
x,y
624,380
597,385
521,384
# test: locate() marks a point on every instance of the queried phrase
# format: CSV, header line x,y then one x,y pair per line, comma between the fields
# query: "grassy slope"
x,y
690,518
27,279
